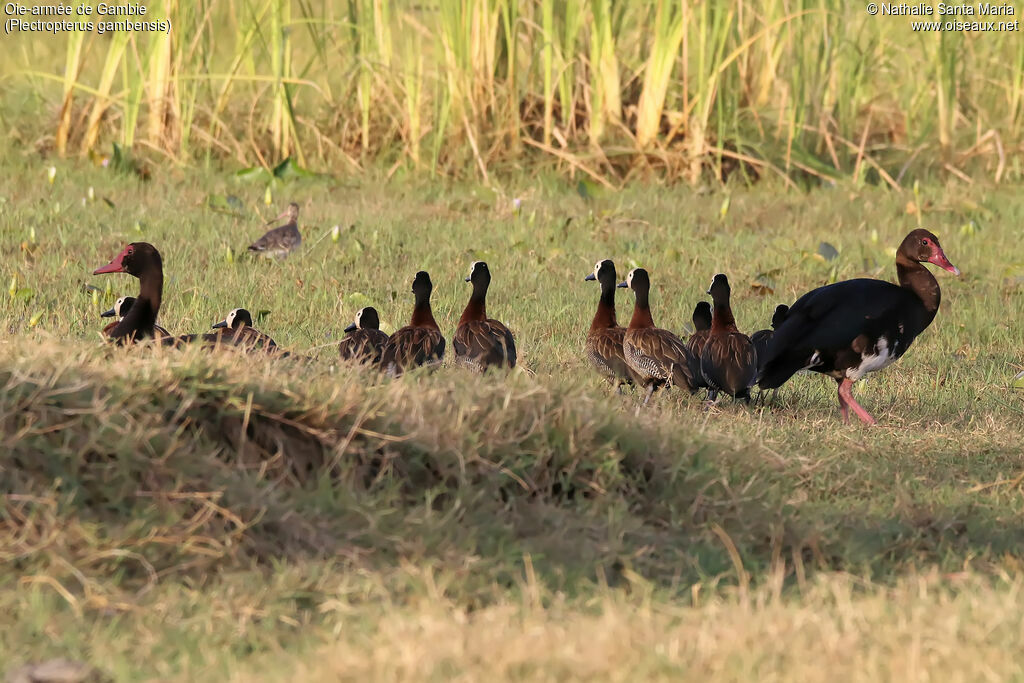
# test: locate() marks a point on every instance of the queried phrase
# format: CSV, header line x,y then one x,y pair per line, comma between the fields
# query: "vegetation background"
x,y
186,516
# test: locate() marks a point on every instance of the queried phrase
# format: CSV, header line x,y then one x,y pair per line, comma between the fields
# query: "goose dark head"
x,y
923,246
239,317
134,259
702,316
638,280
479,274
719,289
779,316
121,306
604,271
366,319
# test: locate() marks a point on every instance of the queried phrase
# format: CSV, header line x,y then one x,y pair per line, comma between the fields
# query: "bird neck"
x,y
422,315
476,308
722,319
641,312
918,279
605,315
141,317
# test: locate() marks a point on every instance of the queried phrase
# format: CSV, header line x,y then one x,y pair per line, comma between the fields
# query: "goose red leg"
x,y
846,396
844,407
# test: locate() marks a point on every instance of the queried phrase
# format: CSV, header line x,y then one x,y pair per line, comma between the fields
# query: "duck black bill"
x,y
351,328
590,278
222,323
623,285
108,314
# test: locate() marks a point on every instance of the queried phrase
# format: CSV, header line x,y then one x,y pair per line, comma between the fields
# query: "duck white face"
x,y
597,266
119,308
230,320
359,317
629,278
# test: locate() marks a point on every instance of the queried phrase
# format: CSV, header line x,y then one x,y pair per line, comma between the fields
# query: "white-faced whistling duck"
x,y
728,361
363,340
120,309
420,342
238,331
605,337
480,342
656,355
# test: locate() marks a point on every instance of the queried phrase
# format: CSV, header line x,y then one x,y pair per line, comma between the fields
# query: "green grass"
x,y
182,516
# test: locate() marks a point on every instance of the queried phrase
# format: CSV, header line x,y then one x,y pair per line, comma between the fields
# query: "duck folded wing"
x,y
484,343
661,355
729,363
412,346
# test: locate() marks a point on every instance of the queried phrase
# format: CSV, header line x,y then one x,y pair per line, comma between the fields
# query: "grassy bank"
x,y
185,516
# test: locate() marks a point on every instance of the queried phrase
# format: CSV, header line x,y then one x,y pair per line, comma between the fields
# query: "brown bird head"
x,y
923,247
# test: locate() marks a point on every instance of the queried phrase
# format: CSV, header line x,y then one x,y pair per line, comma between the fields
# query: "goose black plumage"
x,y
420,342
606,336
695,344
728,361
120,309
363,340
657,356
761,338
848,329
281,241
480,342
142,260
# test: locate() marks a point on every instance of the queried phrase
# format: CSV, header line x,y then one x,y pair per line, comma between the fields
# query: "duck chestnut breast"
x,y
656,355
605,337
728,361
481,342
420,342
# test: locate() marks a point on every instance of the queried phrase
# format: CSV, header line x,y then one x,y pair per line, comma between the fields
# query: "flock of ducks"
x,y
844,330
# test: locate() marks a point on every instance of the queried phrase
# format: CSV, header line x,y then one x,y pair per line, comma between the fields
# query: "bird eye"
x,y
926,241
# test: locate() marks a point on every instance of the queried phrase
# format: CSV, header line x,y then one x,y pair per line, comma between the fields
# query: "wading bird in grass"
x,y
281,241
848,329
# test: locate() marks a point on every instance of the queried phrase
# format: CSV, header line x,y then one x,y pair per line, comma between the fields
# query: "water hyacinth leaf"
x,y
24,294
36,317
763,284
1018,381
253,173
260,315
234,202
828,252
356,300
